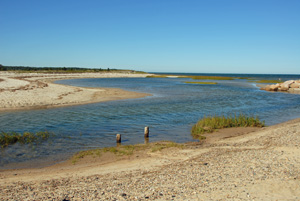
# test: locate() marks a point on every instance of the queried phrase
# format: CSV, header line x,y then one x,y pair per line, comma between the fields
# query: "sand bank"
x,y
36,90
234,164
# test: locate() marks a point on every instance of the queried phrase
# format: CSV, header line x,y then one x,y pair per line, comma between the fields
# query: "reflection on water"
x,y
170,113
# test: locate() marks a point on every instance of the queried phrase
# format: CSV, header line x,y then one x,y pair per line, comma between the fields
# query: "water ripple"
x,y
170,113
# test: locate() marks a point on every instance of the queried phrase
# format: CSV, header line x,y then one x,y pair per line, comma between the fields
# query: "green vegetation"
x,y
208,77
125,150
25,69
243,78
25,138
136,72
267,81
201,82
211,123
120,151
158,146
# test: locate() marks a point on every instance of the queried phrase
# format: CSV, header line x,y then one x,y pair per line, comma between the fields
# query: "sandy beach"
x,y
232,164
36,90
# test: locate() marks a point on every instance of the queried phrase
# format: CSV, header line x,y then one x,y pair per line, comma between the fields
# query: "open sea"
x,y
170,113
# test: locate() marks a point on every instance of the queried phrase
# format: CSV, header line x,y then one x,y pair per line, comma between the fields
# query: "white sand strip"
x,y
36,90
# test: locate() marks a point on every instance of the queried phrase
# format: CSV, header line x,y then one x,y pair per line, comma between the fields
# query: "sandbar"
x,y
20,91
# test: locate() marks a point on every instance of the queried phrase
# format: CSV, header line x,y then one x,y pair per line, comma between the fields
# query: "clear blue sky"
x,y
204,36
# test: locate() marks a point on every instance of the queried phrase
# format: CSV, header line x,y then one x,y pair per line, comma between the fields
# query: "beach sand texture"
x,y
36,90
252,165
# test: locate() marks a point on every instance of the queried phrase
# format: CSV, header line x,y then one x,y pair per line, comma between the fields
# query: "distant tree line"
x,y
52,69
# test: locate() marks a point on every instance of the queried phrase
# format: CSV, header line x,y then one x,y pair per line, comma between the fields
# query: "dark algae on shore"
x,y
126,150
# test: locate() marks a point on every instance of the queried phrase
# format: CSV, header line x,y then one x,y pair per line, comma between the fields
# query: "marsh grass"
x,y
125,150
158,146
267,81
25,138
211,123
243,78
201,82
139,72
208,77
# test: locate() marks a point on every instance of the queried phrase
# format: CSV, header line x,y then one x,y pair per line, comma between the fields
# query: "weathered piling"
x,y
118,138
146,132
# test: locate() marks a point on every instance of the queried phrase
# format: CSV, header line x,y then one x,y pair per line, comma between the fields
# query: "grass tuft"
x,y
211,123
120,151
25,138
125,150
164,145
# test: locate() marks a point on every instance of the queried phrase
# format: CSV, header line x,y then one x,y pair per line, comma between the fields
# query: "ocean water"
x,y
170,113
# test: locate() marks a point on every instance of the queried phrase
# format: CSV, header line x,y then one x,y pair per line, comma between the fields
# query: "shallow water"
x,y
170,113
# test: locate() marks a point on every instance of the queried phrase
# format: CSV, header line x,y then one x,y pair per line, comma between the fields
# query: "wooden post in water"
x,y
118,138
146,132
146,140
